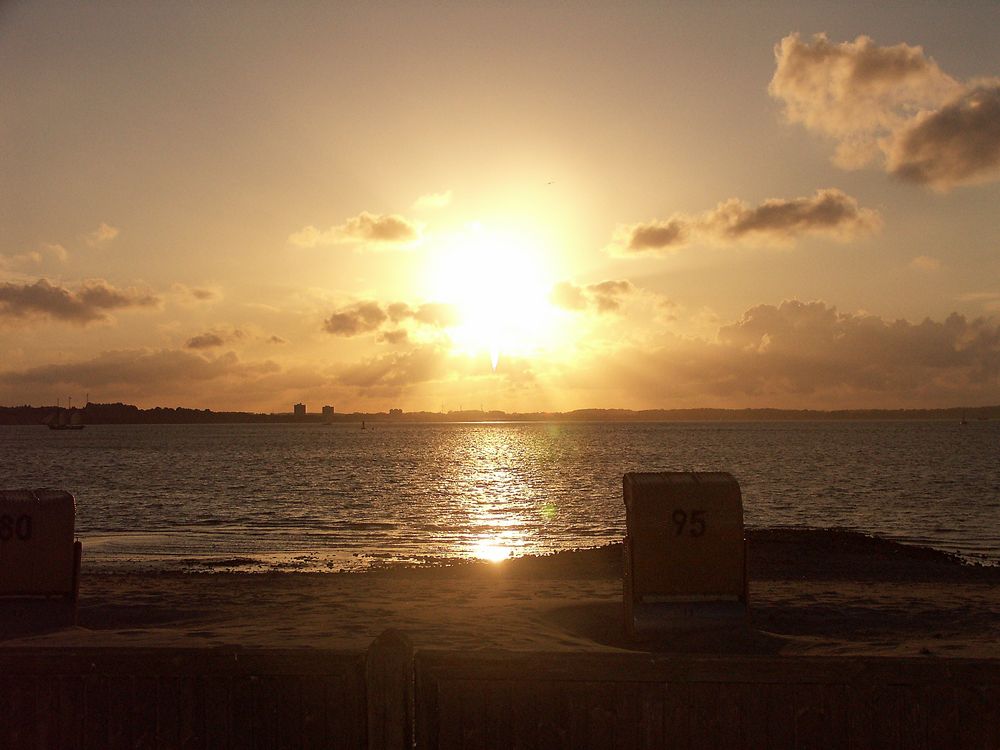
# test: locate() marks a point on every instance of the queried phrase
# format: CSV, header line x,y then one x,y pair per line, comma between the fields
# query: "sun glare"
x,y
500,284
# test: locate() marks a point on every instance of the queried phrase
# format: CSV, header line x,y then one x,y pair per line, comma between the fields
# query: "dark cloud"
x,y
809,354
361,317
957,144
396,336
205,341
135,367
366,227
829,211
778,221
604,297
893,104
90,302
855,92
368,316
658,235
276,340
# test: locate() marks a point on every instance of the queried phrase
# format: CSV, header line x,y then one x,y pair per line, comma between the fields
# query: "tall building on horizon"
x,y
327,412
299,410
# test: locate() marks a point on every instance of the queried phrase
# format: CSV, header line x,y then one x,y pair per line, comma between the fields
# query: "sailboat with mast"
x,y
65,419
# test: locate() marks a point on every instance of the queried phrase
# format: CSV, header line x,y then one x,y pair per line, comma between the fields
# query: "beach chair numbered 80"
x,y
39,557
685,555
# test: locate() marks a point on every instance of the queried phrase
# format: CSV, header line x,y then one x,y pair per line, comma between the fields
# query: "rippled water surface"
x,y
318,497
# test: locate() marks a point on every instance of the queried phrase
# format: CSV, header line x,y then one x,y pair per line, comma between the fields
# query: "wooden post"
x,y
389,678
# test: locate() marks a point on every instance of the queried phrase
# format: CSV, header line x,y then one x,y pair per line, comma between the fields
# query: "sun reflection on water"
x,y
499,502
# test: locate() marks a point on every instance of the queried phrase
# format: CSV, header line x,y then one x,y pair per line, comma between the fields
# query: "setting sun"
x,y
499,283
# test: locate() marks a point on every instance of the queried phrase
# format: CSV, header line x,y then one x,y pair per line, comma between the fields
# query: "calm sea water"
x,y
316,497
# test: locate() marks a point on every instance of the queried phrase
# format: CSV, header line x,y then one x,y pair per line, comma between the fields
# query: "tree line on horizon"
x,y
119,413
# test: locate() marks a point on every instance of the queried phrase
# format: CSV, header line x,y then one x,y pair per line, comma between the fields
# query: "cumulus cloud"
x,y
809,354
604,296
90,302
433,200
212,339
891,104
361,317
395,336
35,257
366,228
100,236
958,144
367,316
829,212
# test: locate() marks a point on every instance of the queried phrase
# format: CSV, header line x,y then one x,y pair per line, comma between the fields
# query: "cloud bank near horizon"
x,y
791,355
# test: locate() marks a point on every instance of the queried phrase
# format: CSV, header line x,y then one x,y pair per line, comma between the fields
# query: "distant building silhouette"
x,y
327,412
300,410
395,412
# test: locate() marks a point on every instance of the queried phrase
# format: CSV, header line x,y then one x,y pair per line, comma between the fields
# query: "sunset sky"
x,y
519,206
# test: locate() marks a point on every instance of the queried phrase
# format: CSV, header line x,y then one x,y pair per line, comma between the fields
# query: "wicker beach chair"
x,y
39,555
685,554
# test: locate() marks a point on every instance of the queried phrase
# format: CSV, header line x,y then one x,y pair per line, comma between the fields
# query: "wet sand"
x,y
812,592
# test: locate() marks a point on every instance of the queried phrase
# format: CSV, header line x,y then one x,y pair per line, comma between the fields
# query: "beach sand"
x,y
811,592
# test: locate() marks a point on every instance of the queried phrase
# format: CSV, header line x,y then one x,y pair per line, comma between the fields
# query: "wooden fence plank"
x,y
449,703
241,701
389,681
315,726
70,719
651,719
753,716
498,713
217,698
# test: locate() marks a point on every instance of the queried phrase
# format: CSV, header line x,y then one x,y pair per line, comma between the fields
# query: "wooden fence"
x,y
555,701
391,698
180,698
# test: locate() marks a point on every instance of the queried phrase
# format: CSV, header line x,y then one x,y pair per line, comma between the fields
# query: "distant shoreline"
x,y
119,413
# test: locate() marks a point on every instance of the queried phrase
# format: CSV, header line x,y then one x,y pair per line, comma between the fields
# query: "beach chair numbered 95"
x,y
685,555
39,557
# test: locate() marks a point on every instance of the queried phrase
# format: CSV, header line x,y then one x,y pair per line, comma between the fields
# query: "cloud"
x,y
958,144
397,369
211,339
367,228
433,201
367,316
809,354
395,336
190,296
35,257
100,236
893,105
604,297
140,367
925,263
361,317
276,340
394,372
829,212
90,302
